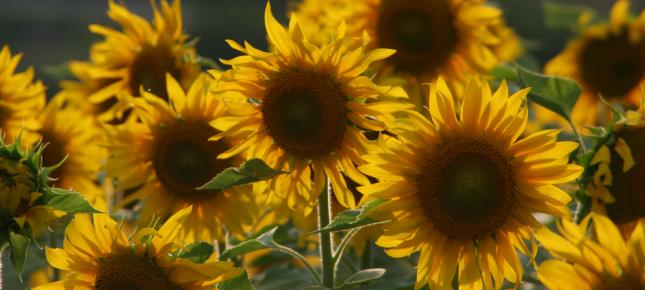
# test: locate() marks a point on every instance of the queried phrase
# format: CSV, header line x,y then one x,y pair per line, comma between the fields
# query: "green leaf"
x,y
263,241
354,218
251,171
18,244
69,201
197,252
557,94
362,277
241,282
562,16
504,71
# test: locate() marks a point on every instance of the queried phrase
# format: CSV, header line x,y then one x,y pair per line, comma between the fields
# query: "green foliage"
x,y
68,201
354,218
565,17
197,252
363,277
18,244
557,94
241,282
251,171
263,241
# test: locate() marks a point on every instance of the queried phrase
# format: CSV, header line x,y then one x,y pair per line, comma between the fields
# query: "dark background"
x,y
51,32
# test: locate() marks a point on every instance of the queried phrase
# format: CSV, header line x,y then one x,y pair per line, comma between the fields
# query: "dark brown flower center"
x,y
127,272
5,115
305,113
628,187
149,70
54,153
422,31
619,283
184,159
613,66
467,189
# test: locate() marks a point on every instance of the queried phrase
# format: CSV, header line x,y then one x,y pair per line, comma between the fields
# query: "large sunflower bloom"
x,y
462,190
607,60
167,156
604,261
454,38
101,256
20,98
138,56
307,105
67,132
617,186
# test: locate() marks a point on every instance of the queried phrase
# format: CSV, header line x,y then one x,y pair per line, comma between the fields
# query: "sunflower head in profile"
x,y
138,56
608,60
461,190
617,186
20,99
450,37
604,261
99,255
302,109
72,136
163,159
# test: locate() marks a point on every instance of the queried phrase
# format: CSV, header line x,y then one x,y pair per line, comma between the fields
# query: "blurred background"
x,y
51,32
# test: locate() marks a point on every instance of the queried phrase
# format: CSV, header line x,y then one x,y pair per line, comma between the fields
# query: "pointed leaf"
x,y
265,240
557,94
364,276
69,201
241,282
251,171
354,218
18,244
197,252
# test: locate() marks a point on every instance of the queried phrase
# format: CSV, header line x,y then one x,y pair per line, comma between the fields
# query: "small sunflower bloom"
x,y
163,159
20,98
303,107
605,260
453,38
462,189
138,56
608,61
99,255
617,185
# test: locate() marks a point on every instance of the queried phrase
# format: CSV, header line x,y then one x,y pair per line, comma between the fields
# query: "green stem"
x,y
366,258
300,257
326,253
340,250
583,147
2,250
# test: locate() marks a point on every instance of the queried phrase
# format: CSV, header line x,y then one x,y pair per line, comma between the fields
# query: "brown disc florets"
x,y
149,70
127,272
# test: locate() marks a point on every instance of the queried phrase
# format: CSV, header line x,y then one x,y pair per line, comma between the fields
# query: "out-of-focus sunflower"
x,y
101,256
462,190
65,131
302,109
138,56
167,156
607,60
617,186
605,261
454,38
20,99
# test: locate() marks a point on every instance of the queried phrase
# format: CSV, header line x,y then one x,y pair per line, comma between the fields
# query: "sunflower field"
x,y
365,144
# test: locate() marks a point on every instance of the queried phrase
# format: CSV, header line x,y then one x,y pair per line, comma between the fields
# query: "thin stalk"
x,y
342,246
583,147
366,258
2,250
300,257
326,251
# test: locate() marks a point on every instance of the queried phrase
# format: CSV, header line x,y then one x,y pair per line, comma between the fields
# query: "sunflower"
x,y
140,56
454,38
604,261
302,108
617,186
101,256
462,191
20,98
167,156
607,60
69,133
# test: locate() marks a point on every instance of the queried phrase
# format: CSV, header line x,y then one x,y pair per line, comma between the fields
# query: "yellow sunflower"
x,y
137,57
454,38
617,186
302,109
20,98
604,261
101,256
166,157
462,190
607,60
69,133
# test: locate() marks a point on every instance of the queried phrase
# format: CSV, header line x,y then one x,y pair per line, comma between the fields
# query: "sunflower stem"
x,y
2,250
583,147
326,251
